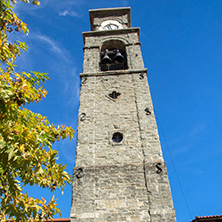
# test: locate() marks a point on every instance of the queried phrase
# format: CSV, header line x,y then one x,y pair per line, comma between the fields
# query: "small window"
x,y
117,137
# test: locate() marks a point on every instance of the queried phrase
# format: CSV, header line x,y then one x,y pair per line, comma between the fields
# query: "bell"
x,y
106,60
118,58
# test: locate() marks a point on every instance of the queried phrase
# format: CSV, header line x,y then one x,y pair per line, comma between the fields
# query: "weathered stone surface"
x,y
125,181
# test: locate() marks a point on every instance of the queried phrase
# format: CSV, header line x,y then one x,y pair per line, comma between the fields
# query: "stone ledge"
x,y
114,72
148,165
97,46
110,32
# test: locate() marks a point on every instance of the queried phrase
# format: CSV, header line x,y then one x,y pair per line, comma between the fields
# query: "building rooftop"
x,y
208,218
59,220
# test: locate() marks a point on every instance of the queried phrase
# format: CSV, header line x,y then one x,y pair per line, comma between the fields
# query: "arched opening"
x,y
113,56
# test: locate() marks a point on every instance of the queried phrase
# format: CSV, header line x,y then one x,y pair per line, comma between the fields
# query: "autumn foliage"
x,y
26,138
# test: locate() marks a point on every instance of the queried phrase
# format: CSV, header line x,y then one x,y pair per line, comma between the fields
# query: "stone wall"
x,y
125,180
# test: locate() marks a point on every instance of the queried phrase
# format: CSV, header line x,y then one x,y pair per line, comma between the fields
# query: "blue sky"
x,y
182,49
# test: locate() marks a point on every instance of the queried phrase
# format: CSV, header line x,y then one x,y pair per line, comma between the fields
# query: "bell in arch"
x,y
118,58
106,59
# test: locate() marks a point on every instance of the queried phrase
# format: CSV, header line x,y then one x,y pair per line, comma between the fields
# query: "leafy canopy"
x,y
26,138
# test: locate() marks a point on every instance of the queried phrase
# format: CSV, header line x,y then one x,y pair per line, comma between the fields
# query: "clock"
x,y
110,25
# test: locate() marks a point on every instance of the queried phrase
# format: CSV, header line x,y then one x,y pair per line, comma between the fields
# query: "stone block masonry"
x,y
120,174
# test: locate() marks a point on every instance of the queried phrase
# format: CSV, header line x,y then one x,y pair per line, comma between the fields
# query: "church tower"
x,y
120,174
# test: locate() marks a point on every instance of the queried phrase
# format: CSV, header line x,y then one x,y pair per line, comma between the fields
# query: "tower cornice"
x,y
111,32
114,72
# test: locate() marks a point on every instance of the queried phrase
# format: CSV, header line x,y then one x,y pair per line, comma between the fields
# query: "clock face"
x,y
110,25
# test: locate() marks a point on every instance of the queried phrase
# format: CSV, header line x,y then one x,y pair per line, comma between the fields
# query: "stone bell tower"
x,y
120,174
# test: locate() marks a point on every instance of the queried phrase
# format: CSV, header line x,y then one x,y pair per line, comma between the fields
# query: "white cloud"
x,y
41,44
62,59
70,79
69,13
125,2
198,129
54,47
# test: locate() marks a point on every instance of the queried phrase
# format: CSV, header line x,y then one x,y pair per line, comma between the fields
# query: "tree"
x,y
26,138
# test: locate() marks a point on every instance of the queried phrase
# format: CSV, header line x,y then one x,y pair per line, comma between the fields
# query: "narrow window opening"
x,y
117,137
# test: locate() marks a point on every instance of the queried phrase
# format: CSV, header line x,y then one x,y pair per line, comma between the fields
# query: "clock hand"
x,y
109,27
